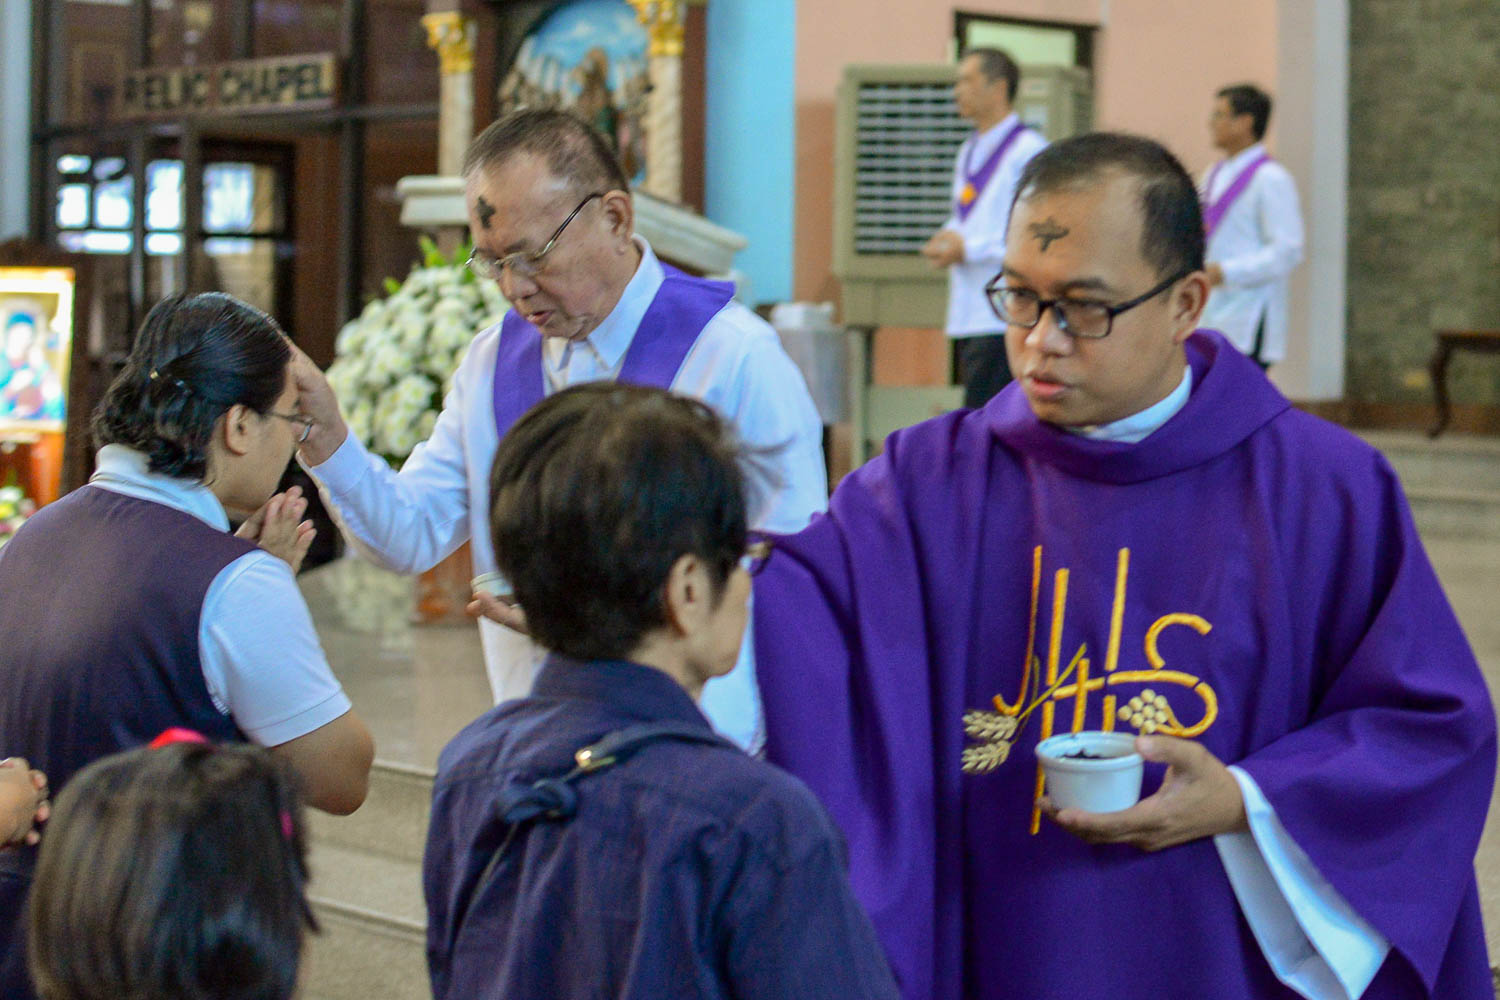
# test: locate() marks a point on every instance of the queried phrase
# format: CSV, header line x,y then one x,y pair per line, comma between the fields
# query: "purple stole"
x,y
975,180
670,327
1214,210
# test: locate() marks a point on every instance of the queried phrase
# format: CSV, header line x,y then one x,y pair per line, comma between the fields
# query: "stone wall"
x,y
1424,194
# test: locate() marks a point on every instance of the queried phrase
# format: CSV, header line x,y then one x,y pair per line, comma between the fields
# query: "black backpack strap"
x,y
556,798
621,743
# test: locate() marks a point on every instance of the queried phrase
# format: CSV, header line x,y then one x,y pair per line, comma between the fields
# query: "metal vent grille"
x,y
906,136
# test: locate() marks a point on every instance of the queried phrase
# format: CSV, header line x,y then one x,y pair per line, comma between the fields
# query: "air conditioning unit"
x,y
1057,101
897,135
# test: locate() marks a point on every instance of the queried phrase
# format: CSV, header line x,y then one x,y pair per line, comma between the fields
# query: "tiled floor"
x,y
414,685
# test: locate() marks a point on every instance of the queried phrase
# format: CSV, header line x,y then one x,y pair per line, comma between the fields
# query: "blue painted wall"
x,y
748,142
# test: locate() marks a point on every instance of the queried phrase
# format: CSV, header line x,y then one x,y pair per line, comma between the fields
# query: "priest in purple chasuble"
x,y
1139,535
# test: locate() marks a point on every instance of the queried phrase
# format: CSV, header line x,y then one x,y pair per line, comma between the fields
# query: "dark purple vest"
x,y
100,599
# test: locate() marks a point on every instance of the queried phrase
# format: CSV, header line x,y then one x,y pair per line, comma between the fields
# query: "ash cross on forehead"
x,y
485,211
1047,231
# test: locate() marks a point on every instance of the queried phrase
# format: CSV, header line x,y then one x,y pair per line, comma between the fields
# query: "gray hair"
x,y
572,149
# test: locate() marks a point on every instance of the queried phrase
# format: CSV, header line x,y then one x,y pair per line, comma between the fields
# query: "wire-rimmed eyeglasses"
x,y
296,418
525,263
1076,317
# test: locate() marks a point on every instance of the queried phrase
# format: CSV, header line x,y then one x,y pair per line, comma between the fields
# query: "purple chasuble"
x,y
975,181
1247,576
670,327
1214,211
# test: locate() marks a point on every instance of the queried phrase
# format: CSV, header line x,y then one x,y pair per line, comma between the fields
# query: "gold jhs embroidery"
x,y
1147,710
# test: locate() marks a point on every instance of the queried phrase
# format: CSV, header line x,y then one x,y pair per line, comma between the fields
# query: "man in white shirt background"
x,y
1254,228
971,243
552,220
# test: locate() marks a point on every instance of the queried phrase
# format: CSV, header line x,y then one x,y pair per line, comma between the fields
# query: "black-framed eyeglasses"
x,y
295,418
757,554
525,263
1077,318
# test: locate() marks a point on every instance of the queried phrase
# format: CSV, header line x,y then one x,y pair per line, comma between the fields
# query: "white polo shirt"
x,y
1258,244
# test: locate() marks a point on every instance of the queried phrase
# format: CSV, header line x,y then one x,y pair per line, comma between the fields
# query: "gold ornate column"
x,y
664,21
452,35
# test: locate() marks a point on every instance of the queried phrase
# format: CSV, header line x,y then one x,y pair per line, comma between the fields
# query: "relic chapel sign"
x,y
288,83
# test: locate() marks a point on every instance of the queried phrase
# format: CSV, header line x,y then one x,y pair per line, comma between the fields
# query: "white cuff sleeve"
x,y
404,522
342,470
1312,938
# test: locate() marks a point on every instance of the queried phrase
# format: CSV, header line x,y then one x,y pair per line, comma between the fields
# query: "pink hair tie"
x,y
286,824
177,734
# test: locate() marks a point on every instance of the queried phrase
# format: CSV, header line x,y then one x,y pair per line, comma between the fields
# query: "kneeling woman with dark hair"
x,y
130,608
176,874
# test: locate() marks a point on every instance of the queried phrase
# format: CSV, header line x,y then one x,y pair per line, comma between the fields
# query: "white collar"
x,y
992,135
1244,157
611,338
1139,426
121,469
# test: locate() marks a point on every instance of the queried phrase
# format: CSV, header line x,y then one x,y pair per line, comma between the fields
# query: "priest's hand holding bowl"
x,y
494,599
1198,797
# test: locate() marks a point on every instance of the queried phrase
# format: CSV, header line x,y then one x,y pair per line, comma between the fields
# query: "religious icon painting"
x,y
36,340
589,57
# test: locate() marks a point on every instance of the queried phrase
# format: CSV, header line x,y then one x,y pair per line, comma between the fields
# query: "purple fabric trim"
x,y
518,383
670,327
1214,211
980,178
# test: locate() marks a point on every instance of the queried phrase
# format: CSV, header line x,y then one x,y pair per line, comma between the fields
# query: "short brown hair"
x,y
595,494
572,149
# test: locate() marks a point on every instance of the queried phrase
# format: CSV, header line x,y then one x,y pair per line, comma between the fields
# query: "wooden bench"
x,y
1446,342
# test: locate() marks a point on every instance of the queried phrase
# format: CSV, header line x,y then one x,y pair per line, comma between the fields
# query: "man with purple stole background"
x,y
1254,229
971,243
552,221
1140,535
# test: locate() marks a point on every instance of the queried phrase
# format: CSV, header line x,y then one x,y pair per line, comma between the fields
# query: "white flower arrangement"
x,y
394,362
372,601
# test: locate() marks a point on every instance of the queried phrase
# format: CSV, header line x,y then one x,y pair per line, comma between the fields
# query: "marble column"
x,y
452,35
664,20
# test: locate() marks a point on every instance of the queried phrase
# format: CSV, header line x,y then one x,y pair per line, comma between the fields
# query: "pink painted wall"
x,y
1157,64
